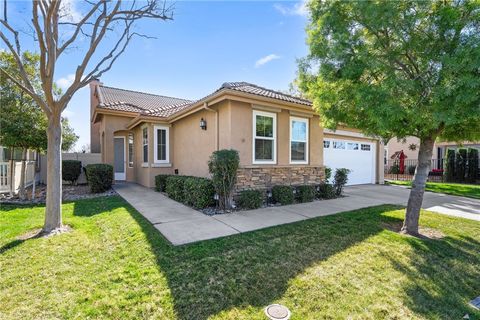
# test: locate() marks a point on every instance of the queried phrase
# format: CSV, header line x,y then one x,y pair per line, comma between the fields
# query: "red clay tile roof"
x,y
163,106
260,91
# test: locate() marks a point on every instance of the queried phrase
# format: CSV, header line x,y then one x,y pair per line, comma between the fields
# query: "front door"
x,y
119,158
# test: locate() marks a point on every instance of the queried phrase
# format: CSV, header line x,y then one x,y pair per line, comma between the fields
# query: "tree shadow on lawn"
x,y
253,269
443,276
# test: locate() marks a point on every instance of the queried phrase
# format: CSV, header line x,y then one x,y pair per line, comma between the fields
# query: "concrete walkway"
x,y
181,224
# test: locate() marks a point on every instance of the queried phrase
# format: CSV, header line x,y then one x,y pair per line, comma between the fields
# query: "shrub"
x,y
340,180
174,188
250,199
160,182
461,165
198,192
450,166
305,193
394,169
472,173
223,166
99,177
326,191
71,170
328,174
283,194
411,170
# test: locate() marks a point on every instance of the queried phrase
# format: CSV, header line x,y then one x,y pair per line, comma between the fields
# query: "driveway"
x,y
180,224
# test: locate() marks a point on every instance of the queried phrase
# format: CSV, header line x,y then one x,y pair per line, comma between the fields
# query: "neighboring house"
x,y
279,138
410,147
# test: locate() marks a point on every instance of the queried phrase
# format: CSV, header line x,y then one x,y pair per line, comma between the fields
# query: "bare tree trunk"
x,y
53,213
21,191
410,225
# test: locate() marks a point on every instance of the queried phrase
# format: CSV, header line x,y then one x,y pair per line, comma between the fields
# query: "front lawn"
x,y
115,265
456,189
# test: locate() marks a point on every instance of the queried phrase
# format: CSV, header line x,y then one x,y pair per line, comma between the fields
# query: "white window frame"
x,y
305,120
131,157
143,146
155,144
274,138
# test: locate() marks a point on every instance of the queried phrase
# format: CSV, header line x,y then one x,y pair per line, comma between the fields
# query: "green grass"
x,y
115,265
456,189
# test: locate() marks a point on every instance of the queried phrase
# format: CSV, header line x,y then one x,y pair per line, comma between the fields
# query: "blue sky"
x,y
206,44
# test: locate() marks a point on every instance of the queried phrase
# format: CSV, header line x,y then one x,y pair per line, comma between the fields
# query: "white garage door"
x,y
359,157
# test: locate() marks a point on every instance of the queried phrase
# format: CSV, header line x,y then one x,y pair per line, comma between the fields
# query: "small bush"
x,y
305,193
71,170
328,174
99,177
174,187
283,194
411,170
472,173
461,165
326,191
223,166
160,182
340,180
450,166
394,169
198,192
250,199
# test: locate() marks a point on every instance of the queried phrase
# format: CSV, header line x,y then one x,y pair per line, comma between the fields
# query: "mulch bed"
x,y
70,193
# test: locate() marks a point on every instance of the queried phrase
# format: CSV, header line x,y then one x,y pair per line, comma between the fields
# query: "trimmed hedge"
x,y
161,182
198,192
305,193
326,191
99,177
472,173
250,199
192,191
71,170
174,188
283,195
450,166
461,165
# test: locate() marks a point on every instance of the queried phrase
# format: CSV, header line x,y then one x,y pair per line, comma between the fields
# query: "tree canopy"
x,y
23,124
396,68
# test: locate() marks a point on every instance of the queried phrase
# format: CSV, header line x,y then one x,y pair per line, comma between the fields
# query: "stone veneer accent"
x,y
266,177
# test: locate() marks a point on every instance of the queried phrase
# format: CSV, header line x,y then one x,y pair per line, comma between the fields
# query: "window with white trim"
x,y
160,151
338,145
365,147
352,146
298,140
326,144
264,137
130,150
145,144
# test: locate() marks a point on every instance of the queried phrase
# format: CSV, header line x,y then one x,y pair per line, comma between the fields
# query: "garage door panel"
x,y
357,156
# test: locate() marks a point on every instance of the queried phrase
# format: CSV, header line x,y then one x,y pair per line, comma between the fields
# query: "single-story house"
x,y
279,137
410,147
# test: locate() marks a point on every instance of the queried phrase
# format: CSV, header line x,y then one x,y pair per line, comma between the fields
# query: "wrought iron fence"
x,y
405,170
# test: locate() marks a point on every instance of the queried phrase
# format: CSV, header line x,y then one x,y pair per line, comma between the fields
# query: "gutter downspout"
x,y
205,106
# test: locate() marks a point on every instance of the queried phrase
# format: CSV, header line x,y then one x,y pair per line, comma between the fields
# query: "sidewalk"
x,y
181,224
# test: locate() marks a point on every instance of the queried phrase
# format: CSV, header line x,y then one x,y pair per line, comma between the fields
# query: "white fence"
x,y
85,158
7,176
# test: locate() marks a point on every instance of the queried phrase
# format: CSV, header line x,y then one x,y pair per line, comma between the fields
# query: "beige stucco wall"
x,y
94,127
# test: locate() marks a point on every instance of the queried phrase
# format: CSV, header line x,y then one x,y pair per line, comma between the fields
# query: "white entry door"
x,y
119,159
357,156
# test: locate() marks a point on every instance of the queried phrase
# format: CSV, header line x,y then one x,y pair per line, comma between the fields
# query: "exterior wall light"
x,y
203,124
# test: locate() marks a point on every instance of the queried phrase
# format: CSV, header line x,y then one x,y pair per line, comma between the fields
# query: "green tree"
x,y
397,69
56,33
23,124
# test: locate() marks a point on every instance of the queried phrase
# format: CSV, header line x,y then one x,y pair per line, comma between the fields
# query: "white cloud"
x,y
260,62
68,113
64,83
298,9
